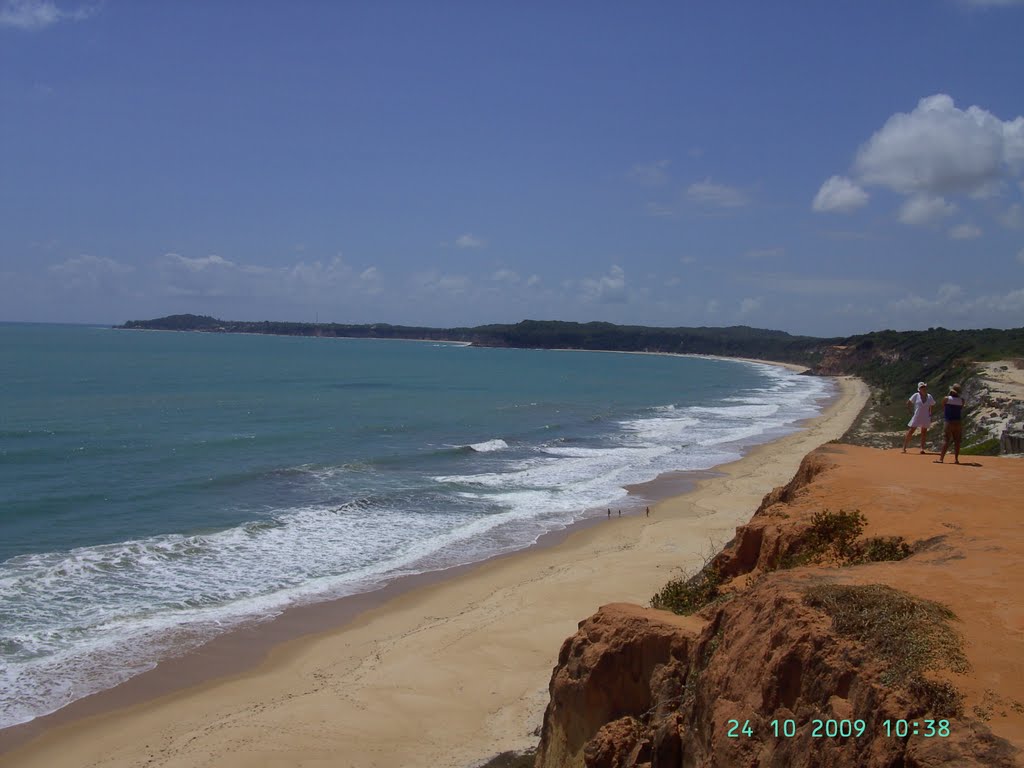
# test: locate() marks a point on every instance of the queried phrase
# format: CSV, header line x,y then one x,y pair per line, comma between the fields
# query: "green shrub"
x,y
688,595
881,549
832,536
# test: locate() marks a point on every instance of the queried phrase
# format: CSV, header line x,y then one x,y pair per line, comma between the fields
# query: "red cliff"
x,y
770,673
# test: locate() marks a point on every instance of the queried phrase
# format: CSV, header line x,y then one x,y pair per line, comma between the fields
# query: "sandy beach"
x,y
445,674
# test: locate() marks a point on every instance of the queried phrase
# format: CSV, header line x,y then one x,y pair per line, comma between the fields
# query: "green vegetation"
x,y
832,534
988,447
737,341
893,362
911,636
833,538
888,360
689,595
879,549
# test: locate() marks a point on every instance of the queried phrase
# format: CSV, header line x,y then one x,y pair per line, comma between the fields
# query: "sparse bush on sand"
x,y
688,595
833,538
879,549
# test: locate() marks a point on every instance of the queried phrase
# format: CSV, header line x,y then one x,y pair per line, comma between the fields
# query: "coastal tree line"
x,y
891,362
886,359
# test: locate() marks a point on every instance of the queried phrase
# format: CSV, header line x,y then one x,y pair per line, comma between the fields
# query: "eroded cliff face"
x,y
636,687
742,682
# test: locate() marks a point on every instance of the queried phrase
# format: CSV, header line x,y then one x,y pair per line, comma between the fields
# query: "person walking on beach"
x,y
952,412
921,403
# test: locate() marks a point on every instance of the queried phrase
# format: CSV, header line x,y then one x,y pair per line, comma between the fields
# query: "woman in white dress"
x,y
921,403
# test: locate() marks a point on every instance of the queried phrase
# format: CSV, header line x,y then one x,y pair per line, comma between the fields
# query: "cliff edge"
x,y
869,614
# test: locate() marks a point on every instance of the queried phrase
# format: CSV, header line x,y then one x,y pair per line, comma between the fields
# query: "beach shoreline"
x,y
356,627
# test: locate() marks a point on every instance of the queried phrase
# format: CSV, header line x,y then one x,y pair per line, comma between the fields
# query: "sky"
x,y
822,168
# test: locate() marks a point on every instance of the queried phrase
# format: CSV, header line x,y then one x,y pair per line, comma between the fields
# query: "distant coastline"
x,y
889,362
737,341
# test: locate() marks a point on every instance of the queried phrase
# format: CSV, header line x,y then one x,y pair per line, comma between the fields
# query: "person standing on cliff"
x,y
952,412
921,404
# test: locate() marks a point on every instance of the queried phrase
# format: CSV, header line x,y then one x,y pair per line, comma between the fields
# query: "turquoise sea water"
x,y
159,488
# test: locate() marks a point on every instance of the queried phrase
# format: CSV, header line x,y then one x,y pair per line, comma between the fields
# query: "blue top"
x,y
952,408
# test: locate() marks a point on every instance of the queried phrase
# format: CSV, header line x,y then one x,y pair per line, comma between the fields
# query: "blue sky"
x,y
818,167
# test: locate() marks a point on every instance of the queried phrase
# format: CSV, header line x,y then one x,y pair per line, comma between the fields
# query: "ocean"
x,y
157,489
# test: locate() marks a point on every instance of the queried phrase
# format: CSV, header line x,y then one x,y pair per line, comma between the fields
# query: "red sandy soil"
x,y
637,685
968,522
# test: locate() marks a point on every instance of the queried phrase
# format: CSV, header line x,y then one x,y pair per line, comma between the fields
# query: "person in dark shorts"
x,y
952,411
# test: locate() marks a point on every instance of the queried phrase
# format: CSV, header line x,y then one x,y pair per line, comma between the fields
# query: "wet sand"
x,y
442,670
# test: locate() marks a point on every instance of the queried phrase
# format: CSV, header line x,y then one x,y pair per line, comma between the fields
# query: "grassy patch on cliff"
x,y
833,538
910,635
688,595
832,535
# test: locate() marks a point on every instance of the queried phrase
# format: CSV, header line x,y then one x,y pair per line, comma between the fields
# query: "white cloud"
x,y
201,263
212,276
215,276
764,253
950,302
469,241
939,149
845,234
948,292
90,264
432,283
922,209
989,191
820,286
532,281
315,277
944,297
371,280
505,276
650,174
839,194
657,209
721,195
965,232
454,283
607,289
1014,217
1011,303
748,306
38,14
88,273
